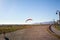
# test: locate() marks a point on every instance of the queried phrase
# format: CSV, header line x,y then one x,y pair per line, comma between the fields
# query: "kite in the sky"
x,y
28,20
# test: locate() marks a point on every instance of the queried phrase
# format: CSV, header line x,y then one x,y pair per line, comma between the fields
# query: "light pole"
x,y
58,12
54,21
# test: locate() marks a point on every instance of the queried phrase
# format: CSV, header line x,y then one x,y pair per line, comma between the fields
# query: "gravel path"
x,y
34,33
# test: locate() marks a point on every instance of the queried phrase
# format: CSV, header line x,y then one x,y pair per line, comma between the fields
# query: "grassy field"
x,y
57,27
11,28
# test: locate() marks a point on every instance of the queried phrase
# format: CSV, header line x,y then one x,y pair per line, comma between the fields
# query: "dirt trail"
x,y
34,33
38,33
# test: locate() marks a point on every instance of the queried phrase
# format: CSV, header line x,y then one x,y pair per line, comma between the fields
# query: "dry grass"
x,y
11,28
57,27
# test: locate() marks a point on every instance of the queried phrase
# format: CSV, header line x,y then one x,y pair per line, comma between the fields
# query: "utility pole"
x,y
58,12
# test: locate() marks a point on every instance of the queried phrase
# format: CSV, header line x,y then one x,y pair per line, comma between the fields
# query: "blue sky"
x,y
17,11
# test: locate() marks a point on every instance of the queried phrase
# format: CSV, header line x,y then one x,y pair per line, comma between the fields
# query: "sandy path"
x,y
34,33
38,33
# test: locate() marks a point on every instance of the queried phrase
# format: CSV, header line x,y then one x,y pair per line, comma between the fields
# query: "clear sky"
x,y
17,11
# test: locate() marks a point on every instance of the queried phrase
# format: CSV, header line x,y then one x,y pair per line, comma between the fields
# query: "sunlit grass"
x,y
57,27
10,28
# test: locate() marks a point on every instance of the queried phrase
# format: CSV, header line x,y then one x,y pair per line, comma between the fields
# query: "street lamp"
x,y
58,12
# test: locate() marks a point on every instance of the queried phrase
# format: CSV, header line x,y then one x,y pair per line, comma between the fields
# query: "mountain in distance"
x,y
49,22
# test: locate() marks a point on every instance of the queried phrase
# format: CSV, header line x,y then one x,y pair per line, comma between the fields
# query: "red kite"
x,y
28,20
